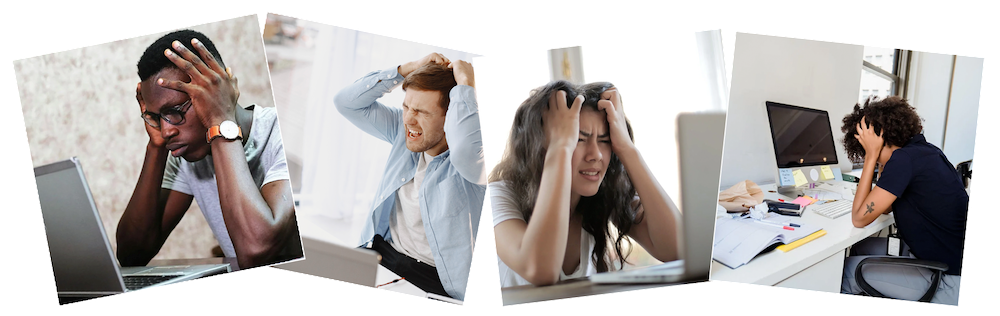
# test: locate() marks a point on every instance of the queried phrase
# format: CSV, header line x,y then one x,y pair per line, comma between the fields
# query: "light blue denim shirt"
x,y
451,195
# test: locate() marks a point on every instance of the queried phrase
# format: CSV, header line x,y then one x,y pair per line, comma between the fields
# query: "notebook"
x,y
699,147
739,240
83,262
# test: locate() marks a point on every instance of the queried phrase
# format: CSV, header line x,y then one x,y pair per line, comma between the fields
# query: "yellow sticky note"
x,y
827,172
800,178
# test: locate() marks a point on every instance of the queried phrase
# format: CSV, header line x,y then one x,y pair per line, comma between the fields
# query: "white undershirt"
x,y
405,223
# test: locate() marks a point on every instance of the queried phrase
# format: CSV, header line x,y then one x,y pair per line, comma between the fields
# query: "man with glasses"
x,y
203,146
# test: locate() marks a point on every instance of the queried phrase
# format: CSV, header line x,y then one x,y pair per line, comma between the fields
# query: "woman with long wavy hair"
x,y
570,169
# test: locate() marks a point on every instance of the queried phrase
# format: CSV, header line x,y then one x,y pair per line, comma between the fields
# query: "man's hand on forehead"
x,y
213,89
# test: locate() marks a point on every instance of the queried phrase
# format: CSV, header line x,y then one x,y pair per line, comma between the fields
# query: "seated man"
x,y
429,201
228,158
916,182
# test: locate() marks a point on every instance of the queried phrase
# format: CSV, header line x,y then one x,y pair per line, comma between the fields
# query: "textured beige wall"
x,y
82,103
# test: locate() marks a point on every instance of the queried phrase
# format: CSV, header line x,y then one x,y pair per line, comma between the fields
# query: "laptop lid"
x,y
333,261
699,147
82,259
83,262
699,141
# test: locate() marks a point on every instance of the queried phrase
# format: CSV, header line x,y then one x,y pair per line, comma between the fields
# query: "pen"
x,y
785,227
780,223
786,224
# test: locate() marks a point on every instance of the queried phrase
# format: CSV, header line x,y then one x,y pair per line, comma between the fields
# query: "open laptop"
x,y
699,147
82,259
333,261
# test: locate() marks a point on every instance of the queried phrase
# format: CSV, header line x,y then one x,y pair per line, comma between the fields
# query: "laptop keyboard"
x,y
833,209
135,282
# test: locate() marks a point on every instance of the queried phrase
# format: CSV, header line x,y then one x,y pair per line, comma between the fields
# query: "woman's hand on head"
x,y
871,142
611,103
562,123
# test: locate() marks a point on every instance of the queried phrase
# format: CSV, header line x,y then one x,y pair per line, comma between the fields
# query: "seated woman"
x,y
567,173
916,182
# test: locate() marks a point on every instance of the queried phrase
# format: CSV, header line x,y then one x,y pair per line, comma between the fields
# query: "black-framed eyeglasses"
x,y
173,115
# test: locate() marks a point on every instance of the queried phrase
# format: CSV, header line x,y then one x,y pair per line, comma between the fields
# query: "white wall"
x,y
811,74
930,78
946,88
960,138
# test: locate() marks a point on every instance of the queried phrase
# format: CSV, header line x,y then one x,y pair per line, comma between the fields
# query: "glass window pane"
x,y
880,57
873,85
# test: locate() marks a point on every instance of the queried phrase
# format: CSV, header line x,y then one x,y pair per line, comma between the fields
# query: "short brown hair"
x,y
432,77
891,117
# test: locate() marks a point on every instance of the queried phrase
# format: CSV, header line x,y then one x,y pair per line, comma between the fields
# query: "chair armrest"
x,y
937,268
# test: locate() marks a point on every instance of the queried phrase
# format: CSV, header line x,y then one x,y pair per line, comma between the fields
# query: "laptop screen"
x,y
82,259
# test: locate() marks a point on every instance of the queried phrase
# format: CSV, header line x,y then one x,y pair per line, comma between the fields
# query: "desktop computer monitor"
x,y
804,146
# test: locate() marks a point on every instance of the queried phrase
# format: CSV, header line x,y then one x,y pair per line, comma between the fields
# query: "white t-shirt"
x,y
405,224
504,209
265,156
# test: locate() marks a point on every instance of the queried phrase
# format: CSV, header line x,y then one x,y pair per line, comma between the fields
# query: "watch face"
x,y
229,129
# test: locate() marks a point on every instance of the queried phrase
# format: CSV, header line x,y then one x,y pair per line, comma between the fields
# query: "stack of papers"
x,y
738,240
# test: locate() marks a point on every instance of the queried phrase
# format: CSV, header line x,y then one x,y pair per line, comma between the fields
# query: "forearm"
x,y
864,189
140,229
256,230
544,242
660,214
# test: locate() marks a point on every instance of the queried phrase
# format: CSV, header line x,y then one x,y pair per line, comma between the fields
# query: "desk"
x,y
159,262
570,288
817,265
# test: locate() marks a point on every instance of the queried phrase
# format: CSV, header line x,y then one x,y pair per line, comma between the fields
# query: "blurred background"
x,y
82,103
665,88
335,167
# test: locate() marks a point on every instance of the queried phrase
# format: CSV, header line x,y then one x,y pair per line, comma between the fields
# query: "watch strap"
x,y
216,131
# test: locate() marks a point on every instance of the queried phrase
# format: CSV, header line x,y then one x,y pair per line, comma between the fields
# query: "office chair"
x,y
965,170
937,269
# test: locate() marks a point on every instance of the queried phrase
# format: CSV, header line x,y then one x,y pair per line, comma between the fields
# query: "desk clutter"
x,y
741,238
741,196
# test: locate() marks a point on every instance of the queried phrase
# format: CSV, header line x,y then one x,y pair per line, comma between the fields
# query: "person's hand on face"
x,y
611,103
561,123
463,73
405,69
155,137
213,90
871,142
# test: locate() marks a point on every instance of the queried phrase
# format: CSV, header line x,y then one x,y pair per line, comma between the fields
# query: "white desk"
x,y
817,265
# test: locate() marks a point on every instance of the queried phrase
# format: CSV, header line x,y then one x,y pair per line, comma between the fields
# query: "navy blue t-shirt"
x,y
931,204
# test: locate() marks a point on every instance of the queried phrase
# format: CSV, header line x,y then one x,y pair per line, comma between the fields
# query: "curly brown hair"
x,y
895,119
523,162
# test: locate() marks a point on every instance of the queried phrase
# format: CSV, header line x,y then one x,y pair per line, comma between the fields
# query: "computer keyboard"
x,y
135,282
833,209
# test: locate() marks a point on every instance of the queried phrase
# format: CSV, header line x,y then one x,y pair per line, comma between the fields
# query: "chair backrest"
x,y
965,170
